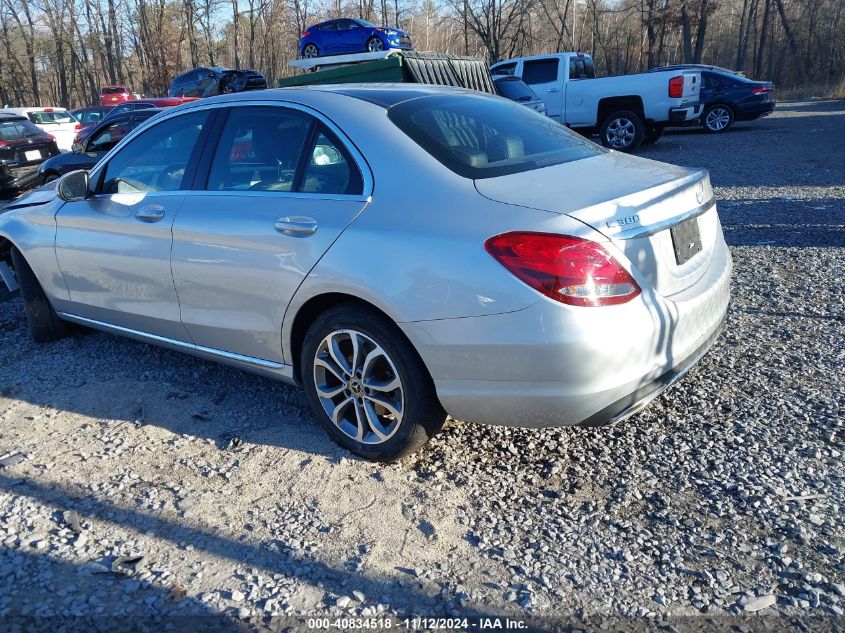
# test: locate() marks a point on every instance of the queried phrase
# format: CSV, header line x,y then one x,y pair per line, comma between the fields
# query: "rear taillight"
x,y
306,33
77,127
49,138
761,90
568,269
676,87
3,143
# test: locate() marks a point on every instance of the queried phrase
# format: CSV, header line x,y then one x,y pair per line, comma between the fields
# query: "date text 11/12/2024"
x,y
418,624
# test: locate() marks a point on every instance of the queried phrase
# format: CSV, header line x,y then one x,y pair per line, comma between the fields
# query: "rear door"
x,y
114,248
280,185
543,75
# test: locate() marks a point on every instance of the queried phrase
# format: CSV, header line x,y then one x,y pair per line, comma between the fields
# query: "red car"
x,y
112,95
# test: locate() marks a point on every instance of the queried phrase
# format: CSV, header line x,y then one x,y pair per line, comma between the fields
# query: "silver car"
x,y
401,252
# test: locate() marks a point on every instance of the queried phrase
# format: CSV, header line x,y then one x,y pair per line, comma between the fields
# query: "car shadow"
x,y
269,556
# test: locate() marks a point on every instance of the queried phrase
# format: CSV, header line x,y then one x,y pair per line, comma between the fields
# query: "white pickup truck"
x,y
626,111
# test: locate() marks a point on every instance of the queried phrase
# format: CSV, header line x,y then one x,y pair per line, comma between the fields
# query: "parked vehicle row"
x,y
520,247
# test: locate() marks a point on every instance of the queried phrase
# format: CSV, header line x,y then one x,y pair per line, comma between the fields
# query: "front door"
x,y
280,189
114,248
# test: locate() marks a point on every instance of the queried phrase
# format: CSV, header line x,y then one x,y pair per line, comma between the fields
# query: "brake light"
x,y
676,87
77,127
306,33
48,138
568,269
48,109
761,90
3,143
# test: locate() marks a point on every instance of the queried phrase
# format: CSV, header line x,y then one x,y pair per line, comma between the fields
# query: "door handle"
x,y
150,214
296,226
553,90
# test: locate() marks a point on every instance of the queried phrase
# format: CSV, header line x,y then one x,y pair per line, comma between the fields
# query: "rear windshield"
x,y
515,90
485,137
50,117
113,91
19,128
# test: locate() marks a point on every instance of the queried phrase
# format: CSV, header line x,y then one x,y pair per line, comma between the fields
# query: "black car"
x,y
22,145
102,138
728,96
207,82
515,89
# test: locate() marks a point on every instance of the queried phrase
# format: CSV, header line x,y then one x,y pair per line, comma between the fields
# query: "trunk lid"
x,y
633,202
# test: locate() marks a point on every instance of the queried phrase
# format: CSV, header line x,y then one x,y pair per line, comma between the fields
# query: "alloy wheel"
x,y
375,45
718,119
620,133
358,386
310,52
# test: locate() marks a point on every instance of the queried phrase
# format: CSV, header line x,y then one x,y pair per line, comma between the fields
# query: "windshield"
x,y
515,90
485,137
11,130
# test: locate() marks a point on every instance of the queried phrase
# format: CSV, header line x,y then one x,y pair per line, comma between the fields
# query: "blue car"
x,y
350,35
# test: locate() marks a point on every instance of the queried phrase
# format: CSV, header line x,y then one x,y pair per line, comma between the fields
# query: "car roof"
x,y
41,109
385,95
12,116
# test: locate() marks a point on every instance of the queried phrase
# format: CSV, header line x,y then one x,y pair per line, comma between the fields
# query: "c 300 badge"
x,y
631,219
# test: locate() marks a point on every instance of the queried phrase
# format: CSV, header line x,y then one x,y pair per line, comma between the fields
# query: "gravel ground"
x,y
724,497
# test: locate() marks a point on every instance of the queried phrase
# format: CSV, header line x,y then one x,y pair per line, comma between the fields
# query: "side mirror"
x,y
74,186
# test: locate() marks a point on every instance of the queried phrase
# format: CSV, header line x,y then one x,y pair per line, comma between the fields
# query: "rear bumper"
x,y
751,111
555,365
685,113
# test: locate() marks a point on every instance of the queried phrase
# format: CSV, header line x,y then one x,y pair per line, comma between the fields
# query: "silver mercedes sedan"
x,y
400,252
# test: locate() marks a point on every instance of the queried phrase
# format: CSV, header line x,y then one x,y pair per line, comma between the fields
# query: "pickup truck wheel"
x,y
44,323
717,118
653,134
623,131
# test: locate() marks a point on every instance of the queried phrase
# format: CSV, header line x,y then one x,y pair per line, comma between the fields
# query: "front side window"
x,y
540,71
515,90
482,137
157,159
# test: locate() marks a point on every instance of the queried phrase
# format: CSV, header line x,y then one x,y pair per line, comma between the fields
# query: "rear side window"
x,y
328,26
259,150
108,137
540,71
280,149
483,137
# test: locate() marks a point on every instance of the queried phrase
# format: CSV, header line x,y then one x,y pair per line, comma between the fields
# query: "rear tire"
x,y
310,51
343,388
44,323
653,134
622,130
717,119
